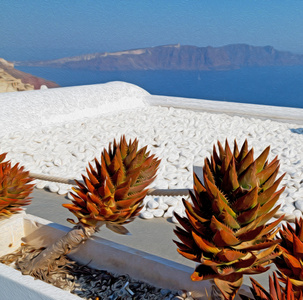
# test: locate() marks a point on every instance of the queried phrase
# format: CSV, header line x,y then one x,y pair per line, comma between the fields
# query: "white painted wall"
x,y
32,109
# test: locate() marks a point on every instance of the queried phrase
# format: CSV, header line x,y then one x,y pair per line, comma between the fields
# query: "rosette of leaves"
x,y
112,193
290,262
225,229
276,292
15,187
113,190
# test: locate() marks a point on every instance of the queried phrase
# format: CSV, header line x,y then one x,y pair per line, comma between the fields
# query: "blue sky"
x,y
52,29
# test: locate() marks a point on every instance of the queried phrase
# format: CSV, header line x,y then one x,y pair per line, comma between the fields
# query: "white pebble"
x,y
169,212
297,213
163,206
62,191
179,210
146,215
171,201
289,199
57,162
152,204
159,200
299,205
288,209
158,213
298,194
49,163
40,184
53,187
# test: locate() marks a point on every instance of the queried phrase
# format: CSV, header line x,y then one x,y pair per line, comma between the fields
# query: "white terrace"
x,y
57,131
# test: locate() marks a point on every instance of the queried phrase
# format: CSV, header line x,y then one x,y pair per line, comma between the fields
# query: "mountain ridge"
x,y
176,57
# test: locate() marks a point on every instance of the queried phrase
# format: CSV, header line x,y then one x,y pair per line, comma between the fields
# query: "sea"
x,y
277,86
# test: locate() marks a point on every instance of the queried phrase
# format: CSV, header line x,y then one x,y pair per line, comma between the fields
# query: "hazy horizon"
x,y
125,50
41,30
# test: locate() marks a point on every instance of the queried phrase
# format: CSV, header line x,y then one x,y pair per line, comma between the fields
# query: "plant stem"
x,y
33,263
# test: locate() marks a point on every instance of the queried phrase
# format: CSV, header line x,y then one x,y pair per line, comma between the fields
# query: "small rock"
x,y
164,292
297,213
53,187
146,215
57,162
163,206
299,205
288,209
62,191
152,204
40,184
171,201
169,212
158,213
179,210
49,163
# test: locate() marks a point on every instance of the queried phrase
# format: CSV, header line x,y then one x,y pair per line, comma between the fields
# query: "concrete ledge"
x,y
97,253
14,285
276,113
103,254
11,233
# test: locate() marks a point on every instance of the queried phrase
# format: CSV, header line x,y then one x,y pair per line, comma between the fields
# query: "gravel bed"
x,y
181,138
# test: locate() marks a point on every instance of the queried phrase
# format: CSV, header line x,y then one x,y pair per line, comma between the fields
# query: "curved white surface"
x,y
33,109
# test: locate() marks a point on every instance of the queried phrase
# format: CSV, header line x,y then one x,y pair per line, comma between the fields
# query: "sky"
x,y
40,29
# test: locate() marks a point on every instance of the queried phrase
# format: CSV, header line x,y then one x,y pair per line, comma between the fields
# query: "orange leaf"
x,y
224,238
205,245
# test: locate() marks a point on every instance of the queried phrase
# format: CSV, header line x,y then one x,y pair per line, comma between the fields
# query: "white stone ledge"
x,y
98,253
116,258
103,254
14,285
276,113
33,109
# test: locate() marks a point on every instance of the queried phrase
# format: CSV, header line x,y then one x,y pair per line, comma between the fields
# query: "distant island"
x,y
176,57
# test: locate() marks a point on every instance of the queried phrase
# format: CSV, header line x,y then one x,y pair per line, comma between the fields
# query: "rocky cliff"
x,y
9,83
176,57
15,80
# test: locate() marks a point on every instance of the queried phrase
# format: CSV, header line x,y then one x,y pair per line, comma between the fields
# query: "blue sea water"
x,y
278,86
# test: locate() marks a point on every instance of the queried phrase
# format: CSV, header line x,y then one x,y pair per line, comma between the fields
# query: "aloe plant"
x,y
290,262
276,291
15,187
112,193
225,229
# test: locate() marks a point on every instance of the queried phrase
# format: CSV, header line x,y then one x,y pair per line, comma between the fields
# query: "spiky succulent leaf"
x,y
290,262
15,187
276,291
114,189
226,229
